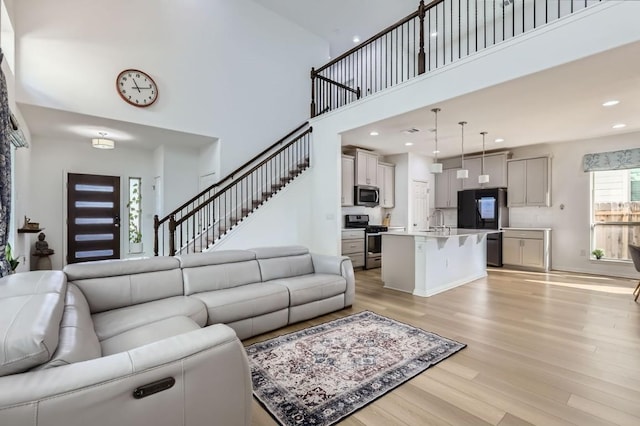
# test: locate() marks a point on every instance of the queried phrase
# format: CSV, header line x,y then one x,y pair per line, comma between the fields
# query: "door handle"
x,y
116,221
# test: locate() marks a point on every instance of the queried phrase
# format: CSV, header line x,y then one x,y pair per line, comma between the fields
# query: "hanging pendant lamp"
x,y
462,173
483,178
436,167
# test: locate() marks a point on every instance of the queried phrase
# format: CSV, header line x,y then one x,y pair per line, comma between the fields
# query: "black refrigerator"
x,y
485,209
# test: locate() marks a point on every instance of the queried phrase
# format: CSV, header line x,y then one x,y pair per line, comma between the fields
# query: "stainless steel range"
x,y
372,240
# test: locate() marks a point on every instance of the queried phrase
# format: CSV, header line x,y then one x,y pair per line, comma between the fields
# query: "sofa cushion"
x,y
78,340
112,284
247,301
31,306
117,321
147,333
283,262
309,288
218,270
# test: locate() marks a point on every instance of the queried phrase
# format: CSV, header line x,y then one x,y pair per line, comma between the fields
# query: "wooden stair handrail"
x,y
254,168
230,175
381,33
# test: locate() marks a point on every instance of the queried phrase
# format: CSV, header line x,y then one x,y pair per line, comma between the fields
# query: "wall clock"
x,y
137,88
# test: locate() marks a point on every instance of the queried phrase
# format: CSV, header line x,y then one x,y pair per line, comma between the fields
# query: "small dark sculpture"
x,y
42,247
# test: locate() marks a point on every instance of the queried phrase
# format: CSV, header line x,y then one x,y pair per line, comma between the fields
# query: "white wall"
x,y
227,69
283,220
52,159
179,171
571,187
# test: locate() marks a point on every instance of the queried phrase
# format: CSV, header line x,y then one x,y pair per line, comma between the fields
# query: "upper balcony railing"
x,y
435,35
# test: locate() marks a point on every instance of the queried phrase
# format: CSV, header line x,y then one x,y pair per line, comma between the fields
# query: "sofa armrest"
x,y
209,365
338,265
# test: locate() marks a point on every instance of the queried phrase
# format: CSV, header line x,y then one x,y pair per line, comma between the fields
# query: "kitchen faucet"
x,y
439,223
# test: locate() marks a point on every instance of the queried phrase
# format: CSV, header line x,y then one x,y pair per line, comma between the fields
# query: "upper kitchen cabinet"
x,y
447,186
386,183
366,164
473,165
348,169
495,165
528,182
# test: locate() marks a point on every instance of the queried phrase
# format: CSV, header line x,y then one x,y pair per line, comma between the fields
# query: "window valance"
x,y
614,160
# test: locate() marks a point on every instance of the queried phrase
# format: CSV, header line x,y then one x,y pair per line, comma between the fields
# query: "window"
x,y
615,212
135,215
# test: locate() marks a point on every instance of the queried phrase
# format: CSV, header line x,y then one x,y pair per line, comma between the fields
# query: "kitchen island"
x,y
427,263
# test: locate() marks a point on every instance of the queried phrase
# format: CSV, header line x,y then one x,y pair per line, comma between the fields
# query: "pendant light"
x,y
435,166
462,173
483,178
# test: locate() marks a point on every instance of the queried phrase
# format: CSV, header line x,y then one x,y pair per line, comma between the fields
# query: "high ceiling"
x,y
339,21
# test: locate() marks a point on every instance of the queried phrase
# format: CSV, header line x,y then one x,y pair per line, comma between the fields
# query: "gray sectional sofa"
x,y
153,341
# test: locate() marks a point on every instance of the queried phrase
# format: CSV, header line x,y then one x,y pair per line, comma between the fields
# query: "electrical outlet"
x,y
583,252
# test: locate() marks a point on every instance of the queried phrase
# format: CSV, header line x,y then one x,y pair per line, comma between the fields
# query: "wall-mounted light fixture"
x,y
102,142
462,173
435,166
483,178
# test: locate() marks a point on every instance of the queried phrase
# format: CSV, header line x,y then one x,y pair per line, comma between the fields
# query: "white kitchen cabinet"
x,y
528,182
386,183
495,165
447,186
366,167
527,248
473,165
353,246
348,170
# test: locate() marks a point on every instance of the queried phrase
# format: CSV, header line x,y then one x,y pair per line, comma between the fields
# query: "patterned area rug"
x,y
320,375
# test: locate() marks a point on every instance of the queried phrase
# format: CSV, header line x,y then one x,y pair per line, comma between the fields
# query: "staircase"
x,y
215,212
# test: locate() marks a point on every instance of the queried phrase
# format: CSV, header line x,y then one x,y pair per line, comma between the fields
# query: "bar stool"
x,y
635,255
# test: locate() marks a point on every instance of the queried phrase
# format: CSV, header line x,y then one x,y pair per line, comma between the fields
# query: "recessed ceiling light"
x,y
499,140
374,133
408,143
434,34
436,151
619,126
610,103
356,39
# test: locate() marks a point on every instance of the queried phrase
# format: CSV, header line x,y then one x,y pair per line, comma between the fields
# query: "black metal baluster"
x,y
513,18
523,15
484,24
436,38
475,9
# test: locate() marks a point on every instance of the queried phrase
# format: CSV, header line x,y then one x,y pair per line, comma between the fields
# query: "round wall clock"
x,y
137,88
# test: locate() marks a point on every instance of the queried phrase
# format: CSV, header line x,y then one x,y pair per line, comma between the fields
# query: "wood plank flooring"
x,y
542,349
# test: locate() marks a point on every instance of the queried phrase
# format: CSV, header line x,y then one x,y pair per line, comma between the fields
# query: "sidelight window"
x,y
135,214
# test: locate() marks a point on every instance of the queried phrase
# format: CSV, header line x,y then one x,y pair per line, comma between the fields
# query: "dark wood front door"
x,y
93,217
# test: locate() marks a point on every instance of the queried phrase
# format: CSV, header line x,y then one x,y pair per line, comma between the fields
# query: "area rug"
x,y
322,374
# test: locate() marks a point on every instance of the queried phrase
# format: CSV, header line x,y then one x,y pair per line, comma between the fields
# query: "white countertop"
x,y
455,232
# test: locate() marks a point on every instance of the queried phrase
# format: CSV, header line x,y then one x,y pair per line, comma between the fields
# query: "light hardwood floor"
x,y
543,349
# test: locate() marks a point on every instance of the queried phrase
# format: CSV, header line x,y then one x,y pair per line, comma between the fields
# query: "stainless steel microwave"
x,y
368,196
